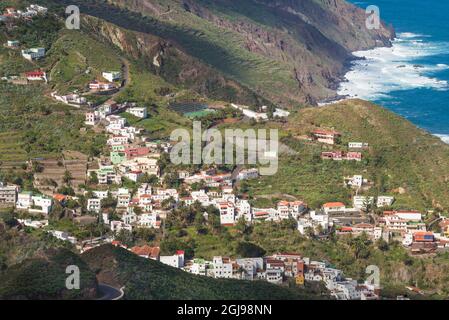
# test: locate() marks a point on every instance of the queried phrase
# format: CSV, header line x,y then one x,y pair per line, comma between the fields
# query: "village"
x,y
135,159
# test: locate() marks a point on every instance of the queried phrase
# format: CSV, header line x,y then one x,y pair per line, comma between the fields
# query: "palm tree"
x,y
67,177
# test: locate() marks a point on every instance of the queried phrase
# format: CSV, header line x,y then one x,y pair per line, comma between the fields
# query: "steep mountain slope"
x,y
148,279
290,52
44,277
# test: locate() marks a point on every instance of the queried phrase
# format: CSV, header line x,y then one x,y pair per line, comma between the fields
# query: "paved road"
x,y
109,293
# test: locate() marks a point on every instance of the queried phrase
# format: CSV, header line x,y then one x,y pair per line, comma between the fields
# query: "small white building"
x,y
227,213
355,181
117,226
13,44
362,202
358,145
33,53
34,204
94,205
384,201
222,267
139,112
91,119
248,174
112,76
175,261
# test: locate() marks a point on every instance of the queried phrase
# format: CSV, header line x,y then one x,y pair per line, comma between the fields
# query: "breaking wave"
x,y
383,70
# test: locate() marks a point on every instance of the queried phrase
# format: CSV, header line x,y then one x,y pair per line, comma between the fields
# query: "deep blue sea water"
x,y
412,78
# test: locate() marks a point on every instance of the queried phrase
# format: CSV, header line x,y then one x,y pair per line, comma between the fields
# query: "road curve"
x,y
109,293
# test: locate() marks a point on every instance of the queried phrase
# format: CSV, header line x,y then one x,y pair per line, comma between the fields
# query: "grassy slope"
x,y
44,277
147,279
401,155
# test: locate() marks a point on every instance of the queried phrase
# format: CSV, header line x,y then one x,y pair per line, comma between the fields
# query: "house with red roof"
x,y
147,252
36,75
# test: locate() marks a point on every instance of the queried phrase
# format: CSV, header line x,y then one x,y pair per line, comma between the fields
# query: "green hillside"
x,y
43,277
402,160
148,279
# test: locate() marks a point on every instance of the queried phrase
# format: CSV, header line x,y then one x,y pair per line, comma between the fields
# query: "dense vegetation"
x,y
148,279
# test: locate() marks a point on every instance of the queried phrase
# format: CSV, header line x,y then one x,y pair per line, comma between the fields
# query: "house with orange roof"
x,y
147,252
293,209
330,207
60,197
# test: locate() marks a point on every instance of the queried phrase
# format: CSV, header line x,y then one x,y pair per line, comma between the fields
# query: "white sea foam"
x,y
444,137
391,69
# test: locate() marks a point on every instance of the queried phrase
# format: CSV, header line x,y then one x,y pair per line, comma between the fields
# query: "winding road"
x,y
110,293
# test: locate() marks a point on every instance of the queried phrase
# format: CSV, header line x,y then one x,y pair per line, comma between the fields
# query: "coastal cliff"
x,y
289,53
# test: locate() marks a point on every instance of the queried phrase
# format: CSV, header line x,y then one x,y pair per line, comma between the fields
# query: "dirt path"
x,y
126,78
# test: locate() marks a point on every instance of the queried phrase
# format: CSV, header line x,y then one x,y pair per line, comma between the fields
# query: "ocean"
x,y
412,77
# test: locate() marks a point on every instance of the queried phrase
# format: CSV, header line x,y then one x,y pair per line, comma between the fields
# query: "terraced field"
x,y
11,150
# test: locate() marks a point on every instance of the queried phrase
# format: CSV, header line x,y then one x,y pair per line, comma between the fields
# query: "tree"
x,y
67,178
137,210
242,226
382,245
199,223
93,179
171,180
8,218
109,202
57,211
310,232
126,237
37,167
360,245
171,244
150,179
249,250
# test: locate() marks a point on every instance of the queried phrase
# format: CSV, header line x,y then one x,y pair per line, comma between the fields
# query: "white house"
x,y
91,119
94,205
34,204
333,207
140,112
149,220
244,210
222,267
362,202
112,76
62,235
175,261
248,174
12,44
384,201
357,145
33,53
117,226
123,198
227,213
303,225
355,181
